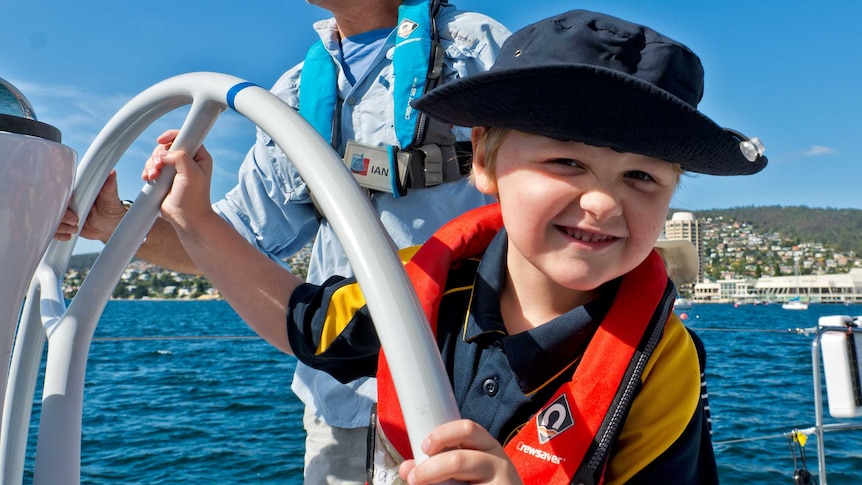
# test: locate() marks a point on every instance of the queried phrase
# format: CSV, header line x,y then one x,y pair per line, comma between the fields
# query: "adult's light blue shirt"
x,y
271,206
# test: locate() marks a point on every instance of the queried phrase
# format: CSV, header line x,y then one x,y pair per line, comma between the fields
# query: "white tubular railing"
x,y
417,370
816,354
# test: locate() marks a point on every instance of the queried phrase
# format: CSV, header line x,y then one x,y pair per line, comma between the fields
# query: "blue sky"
x,y
787,72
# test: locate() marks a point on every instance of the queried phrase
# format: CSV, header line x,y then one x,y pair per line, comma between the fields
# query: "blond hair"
x,y
493,138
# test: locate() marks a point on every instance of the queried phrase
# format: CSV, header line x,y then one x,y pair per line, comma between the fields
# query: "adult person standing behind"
x,y
356,96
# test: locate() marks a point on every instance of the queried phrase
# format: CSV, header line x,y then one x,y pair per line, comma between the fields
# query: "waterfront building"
x,y
821,288
843,288
737,290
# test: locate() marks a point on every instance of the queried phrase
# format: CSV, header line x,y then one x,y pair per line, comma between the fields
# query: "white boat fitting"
x,y
417,370
36,173
838,341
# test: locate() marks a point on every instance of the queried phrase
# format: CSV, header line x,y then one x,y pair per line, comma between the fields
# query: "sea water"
x,y
183,392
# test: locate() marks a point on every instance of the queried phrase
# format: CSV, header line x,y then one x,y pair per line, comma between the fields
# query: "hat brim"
x,y
593,105
680,257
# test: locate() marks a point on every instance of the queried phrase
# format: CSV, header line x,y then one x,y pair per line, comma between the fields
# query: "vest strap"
x,y
418,63
428,269
318,99
412,61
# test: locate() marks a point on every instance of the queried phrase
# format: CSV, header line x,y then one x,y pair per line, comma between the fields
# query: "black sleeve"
x,y
353,353
689,461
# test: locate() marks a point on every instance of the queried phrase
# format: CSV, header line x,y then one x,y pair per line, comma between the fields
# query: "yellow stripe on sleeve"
x,y
663,407
344,304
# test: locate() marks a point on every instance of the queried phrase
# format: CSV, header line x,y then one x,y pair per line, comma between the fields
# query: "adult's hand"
x,y
104,216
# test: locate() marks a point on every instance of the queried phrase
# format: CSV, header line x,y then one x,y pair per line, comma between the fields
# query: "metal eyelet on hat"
x,y
518,53
751,148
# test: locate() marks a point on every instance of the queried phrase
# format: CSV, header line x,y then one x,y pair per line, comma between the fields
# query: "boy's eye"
x,y
566,161
639,175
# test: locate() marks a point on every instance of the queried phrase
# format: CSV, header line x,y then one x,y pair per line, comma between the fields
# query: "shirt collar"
x,y
483,316
556,344
328,32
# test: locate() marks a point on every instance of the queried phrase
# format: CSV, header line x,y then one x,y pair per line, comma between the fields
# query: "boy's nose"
x,y
600,203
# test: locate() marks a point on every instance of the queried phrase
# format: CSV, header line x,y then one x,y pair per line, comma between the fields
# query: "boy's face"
x,y
577,215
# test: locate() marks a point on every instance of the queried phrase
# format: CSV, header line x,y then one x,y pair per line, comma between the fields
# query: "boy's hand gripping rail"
x,y
417,370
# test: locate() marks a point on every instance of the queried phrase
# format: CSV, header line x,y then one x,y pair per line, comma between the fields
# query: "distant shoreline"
x,y
168,299
693,302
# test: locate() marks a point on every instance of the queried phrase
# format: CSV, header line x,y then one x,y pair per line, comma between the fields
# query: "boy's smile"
x,y
577,215
587,237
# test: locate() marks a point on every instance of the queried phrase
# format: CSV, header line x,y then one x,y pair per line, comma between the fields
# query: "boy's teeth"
x,y
586,236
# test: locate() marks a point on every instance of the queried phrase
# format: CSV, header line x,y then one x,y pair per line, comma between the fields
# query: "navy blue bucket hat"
x,y
597,79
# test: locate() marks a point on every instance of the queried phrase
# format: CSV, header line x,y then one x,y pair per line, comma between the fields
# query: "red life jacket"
x,y
574,431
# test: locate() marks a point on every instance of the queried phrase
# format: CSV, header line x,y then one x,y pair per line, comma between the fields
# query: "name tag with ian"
x,y
372,168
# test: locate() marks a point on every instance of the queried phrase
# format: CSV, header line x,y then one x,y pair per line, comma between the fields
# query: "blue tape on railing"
x,y
232,92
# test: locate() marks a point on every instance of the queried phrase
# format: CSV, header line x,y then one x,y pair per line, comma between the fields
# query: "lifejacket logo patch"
x,y
555,418
406,27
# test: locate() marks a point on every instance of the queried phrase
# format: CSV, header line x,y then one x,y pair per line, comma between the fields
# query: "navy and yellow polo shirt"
x,y
501,380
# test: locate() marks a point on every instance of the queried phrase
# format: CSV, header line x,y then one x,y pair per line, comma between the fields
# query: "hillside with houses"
x,y
736,248
738,243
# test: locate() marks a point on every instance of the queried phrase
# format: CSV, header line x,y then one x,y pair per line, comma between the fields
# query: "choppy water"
x,y
221,410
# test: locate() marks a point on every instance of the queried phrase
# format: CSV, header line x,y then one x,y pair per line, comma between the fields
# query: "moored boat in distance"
x,y
795,304
682,303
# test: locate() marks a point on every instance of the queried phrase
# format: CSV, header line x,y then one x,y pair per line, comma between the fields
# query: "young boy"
x,y
554,321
